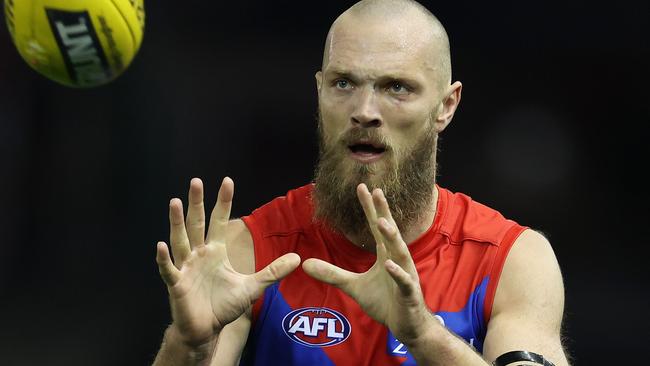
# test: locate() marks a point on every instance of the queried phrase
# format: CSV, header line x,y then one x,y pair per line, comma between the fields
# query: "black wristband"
x,y
514,356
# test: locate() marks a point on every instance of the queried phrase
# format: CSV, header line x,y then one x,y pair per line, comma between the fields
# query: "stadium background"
x,y
552,131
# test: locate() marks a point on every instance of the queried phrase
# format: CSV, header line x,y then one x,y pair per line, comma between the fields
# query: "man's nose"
x,y
366,111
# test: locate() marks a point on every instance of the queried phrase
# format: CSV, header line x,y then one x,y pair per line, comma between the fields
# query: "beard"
x,y
407,180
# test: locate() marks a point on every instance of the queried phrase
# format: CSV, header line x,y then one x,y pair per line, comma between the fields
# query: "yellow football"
x,y
78,43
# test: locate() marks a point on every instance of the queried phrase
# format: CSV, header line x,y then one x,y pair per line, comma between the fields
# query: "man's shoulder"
x,y
464,219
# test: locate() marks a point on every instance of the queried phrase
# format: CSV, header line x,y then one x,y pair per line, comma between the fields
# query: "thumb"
x,y
277,270
169,273
328,273
403,279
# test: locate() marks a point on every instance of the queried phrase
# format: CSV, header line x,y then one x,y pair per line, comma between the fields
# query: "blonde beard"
x,y
407,179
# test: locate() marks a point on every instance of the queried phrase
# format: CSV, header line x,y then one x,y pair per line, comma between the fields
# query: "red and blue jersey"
x,y
301,321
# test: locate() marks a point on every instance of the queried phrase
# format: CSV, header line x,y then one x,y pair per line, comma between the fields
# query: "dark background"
x,y
552,131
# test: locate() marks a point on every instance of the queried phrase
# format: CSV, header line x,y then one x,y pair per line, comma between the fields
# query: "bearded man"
x,y
373,263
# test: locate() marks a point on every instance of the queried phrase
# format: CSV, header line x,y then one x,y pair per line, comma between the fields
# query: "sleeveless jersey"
x,y
301,321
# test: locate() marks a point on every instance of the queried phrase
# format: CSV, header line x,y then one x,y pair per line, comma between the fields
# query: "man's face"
x,y
377,94
378,99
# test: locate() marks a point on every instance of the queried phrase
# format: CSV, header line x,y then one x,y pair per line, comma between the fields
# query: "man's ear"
x,y
449,104
319,81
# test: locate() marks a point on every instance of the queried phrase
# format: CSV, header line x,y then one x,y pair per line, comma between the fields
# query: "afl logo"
x,y
316,327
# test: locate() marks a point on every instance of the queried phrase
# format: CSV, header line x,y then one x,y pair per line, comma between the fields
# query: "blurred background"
x,y
552,131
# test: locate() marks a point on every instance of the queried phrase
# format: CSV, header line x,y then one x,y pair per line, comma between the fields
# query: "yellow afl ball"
x,y
78,43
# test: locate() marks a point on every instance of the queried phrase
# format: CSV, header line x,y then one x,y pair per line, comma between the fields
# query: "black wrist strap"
x,y
514,356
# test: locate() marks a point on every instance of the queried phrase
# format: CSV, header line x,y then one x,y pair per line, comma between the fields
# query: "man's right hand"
x,y
205,292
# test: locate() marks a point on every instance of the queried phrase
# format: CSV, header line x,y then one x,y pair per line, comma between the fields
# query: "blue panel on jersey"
x,y
271,346
398,349
467,323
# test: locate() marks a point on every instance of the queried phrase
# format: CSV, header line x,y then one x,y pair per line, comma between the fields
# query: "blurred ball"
x,y
78,43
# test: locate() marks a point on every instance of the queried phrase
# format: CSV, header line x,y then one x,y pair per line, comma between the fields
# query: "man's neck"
x,y
409,233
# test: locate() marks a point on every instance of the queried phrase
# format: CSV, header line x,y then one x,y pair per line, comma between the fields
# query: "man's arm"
x,y
529,302
211,281
390,292
242,257
526,315
227,347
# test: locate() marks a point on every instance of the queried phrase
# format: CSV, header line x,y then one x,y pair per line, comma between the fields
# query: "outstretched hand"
x,y
206,293
389,291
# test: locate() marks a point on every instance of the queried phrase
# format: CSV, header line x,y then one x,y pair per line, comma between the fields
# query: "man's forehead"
x,y
373,37
383,47
384,34
375,65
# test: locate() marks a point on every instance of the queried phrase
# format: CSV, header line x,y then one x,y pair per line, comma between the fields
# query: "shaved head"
x,y
384,94
407,24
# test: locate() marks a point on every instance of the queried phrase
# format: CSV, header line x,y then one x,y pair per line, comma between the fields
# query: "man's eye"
x,y
398,88
342,84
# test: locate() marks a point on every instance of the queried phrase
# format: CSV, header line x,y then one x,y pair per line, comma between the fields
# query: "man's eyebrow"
x,y
397,77
341,73
383,79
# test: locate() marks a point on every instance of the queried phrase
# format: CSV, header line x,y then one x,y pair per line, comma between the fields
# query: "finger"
x,y
365,199
177,235
329,273
405,282
382,253
221,212
381,205
196,214
277,270
169,273
396,247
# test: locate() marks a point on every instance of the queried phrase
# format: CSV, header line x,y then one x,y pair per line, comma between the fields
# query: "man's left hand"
x,y
389,291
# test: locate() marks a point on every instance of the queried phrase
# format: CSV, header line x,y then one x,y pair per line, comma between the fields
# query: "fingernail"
x,y
390,264
384,222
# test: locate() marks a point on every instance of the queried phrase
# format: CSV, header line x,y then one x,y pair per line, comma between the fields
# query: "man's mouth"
x,y
366,151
